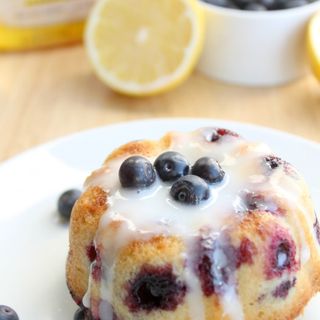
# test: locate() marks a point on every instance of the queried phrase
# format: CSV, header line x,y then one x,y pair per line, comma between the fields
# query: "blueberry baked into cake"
x,y
197,226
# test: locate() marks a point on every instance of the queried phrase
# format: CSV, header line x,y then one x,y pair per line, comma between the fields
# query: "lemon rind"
x,y
313,44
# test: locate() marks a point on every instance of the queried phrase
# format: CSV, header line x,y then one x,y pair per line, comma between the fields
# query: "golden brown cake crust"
x,y
83,226
141,147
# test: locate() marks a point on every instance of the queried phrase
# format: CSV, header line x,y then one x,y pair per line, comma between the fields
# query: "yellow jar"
x,y
31,24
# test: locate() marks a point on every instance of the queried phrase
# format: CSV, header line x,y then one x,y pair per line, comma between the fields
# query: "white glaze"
x,y
231,304
150,212
194,298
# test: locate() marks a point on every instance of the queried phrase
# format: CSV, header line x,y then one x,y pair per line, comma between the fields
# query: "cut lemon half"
x,y
144,47
314,44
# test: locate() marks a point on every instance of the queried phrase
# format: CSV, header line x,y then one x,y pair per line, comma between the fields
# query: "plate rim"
x,y
33,151
58,140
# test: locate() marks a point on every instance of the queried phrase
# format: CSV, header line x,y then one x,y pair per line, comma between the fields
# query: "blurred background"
x,y
48,87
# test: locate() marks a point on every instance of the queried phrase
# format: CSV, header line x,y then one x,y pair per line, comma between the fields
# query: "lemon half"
x,y
144,47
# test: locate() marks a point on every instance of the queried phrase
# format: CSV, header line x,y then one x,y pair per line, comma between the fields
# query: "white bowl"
x,y
256,48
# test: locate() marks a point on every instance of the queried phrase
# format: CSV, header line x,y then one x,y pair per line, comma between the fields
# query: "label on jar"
x,y
33,13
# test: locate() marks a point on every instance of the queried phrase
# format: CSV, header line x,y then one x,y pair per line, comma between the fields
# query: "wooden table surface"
x,y
51,93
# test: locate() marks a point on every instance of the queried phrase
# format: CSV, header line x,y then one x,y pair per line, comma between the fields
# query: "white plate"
x,y
33,242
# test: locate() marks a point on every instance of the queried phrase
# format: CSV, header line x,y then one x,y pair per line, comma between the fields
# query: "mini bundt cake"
x,y
197,226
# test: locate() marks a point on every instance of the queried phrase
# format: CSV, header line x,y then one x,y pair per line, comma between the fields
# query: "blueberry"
x,y
137,172
316,227
255,202
222,3
255,7
171,166
190,189
217,133
279,4
82,314
231,5
289,4
245,252
273,162
283,256
66,202
208,169
242,3
283,289
155,288
91,252
6,313
269,4
216,266
259,202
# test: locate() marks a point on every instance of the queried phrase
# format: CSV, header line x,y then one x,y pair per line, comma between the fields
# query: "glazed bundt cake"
x,y
197,226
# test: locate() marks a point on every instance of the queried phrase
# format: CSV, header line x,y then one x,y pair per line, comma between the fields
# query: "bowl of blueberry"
x,y
256,42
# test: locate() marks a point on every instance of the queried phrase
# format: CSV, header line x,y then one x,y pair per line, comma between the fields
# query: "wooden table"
x,y
47,94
